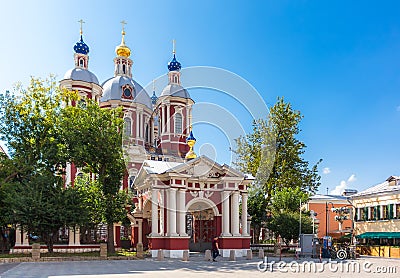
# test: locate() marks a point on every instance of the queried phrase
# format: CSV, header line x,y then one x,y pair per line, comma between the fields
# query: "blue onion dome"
x,y
190,137
174,65
154,98
81,47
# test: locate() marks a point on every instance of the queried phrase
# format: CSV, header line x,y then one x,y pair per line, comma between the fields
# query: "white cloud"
x,y
352,178
343,185
326,171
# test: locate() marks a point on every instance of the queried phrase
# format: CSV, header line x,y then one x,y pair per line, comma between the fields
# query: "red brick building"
x,y
326,221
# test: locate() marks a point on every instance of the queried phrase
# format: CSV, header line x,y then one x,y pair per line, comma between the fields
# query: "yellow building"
x,y
377,213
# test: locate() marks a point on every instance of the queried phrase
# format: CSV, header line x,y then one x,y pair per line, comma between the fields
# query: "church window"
x,y
131,185
127,92
127,126
81,62
124,69
178,123
147,133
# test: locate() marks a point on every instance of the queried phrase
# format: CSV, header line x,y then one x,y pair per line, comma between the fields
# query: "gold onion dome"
x,y
190,141
122,49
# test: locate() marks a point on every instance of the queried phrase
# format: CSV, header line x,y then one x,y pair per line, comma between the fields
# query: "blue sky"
x,y
337,62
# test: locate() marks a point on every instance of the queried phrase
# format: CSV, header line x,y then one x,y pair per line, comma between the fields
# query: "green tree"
x,y
95,201
286,225
285,211
31,184
273,154
288,199
93,138
256,206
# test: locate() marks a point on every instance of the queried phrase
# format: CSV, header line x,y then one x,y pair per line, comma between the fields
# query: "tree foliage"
x,y
93,138
286,225
43,135
288,199
273,154
31,181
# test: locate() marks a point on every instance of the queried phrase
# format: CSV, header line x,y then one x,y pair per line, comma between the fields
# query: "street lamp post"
x,y
327,217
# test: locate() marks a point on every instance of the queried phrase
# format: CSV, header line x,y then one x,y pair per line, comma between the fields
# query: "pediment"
x,y
205,168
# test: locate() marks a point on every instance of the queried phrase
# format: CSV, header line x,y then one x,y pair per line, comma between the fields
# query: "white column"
x,y
141,125
71,236
181,212
140,204
235,213
162,119
369,213
359,213
140,230
18,241
115,233
225,213
137,125
152,132
244,214
168,118
154,212
77,236
25,241
162,212
68,174
381,212
187,120
394,210
171,208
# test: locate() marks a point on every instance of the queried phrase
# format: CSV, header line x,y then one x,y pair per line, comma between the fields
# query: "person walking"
x,y
215,248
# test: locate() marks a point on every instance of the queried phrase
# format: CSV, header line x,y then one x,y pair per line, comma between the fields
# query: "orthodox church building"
x,y
182,201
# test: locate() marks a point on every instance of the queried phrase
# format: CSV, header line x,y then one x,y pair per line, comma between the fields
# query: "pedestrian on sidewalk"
x,y
215,248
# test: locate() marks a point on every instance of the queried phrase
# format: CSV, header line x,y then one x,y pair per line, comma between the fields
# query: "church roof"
x,y
158,167
112,90
81,75
175,90
204,163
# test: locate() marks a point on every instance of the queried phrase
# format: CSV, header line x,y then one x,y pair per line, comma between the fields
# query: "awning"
x,y
379,235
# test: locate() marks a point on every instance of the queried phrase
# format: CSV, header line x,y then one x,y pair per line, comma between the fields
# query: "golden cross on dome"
x,y
123,22
81,22
173,46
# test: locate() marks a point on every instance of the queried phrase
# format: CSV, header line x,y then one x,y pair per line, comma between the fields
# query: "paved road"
x,y
369,267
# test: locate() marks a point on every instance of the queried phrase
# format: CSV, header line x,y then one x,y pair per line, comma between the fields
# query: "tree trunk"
x,y
110,238
257,231
50,244
48,239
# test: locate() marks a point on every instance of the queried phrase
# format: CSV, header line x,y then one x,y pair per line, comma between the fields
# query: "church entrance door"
x,y
201,227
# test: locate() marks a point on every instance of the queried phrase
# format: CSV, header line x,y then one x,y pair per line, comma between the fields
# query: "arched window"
x,y
124,69
127,126
178,123
81,62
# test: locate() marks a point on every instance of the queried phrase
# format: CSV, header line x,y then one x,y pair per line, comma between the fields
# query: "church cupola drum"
x,y
79,78
174,109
